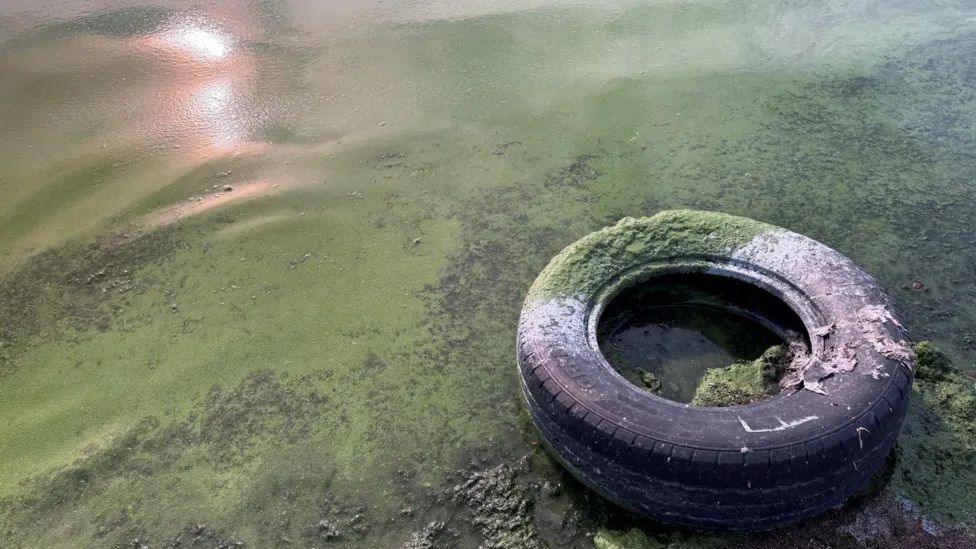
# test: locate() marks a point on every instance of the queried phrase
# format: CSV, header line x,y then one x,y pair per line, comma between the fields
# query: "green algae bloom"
x,y
585,265
936,451
853,126
931,364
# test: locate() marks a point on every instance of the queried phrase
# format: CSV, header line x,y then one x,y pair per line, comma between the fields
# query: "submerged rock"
x,y
326,530
651,382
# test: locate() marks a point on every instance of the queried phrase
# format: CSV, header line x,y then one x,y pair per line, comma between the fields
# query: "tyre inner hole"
x,y
665,334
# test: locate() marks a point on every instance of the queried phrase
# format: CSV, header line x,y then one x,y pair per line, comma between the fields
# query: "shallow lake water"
x,y
677,327
261,261
673,344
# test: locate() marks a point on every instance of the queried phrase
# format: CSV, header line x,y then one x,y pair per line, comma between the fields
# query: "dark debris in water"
x,y
577,173
203,536
262,405
69,290
263,408
501,506
431,536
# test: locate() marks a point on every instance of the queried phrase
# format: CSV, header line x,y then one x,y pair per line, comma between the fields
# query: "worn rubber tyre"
x,y
752,467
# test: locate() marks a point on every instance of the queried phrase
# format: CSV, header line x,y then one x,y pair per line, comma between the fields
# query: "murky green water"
x,y
675,344
261,262
676,328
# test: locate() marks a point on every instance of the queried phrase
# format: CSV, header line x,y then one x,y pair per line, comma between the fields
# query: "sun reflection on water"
x,y
215,97
198,41
214,106
202,76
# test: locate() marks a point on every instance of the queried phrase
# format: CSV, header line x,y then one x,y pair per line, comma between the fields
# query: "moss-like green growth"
x,y
956,401
937,448
773,364
931,364
742,382
585,265
951,393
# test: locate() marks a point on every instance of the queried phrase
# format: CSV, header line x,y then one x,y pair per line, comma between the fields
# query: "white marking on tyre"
x,y
783,425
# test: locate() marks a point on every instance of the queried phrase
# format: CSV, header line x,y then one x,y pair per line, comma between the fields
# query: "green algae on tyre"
x,y
583,266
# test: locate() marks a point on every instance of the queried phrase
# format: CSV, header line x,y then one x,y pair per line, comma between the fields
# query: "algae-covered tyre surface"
x,y
750,467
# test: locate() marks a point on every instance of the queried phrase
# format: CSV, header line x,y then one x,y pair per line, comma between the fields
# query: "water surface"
x,y
677,327
261,262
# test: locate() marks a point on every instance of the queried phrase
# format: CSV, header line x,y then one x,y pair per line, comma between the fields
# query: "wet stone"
x,y
651,382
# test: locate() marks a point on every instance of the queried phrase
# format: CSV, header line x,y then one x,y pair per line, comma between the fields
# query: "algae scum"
x,y
261,262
